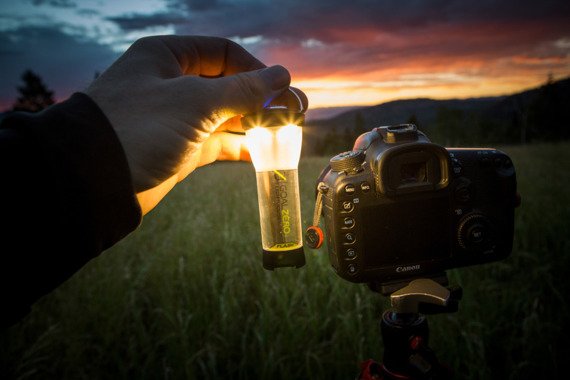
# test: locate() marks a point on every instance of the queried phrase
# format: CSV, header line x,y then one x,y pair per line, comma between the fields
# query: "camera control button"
x,y
365,187
347,206
462,194
475,232
347,223
349,189
352,269
349,238
350,254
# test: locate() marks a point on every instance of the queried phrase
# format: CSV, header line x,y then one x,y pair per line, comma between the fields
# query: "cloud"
x,y
364,41
55,3
65,63
354,31
136,21
301,19
88,12
350,36
201,5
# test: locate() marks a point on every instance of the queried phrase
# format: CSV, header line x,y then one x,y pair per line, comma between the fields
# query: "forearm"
x,y
66,196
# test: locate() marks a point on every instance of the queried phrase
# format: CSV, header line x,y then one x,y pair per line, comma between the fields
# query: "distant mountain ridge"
x,y
400,111
425,109
519,117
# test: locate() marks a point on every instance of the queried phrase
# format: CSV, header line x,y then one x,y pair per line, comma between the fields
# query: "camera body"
x,y
399,207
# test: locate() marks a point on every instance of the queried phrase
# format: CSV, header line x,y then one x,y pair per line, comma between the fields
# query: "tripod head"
x,y
405,332
425,296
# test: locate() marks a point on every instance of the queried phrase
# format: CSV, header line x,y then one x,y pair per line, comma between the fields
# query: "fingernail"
x,y
276,76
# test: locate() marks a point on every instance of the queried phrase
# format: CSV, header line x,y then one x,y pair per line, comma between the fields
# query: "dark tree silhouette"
x,y
548,113
34,95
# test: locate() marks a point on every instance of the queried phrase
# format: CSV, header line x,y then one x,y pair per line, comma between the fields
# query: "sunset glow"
x,y
332,92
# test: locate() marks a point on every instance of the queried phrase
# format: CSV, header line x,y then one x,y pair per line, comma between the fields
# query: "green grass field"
x,y
185,296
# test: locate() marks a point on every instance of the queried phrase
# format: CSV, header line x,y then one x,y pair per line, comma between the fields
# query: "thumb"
x,y
249,91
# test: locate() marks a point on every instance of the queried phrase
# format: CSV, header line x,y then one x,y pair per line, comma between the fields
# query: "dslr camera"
x,y
398,207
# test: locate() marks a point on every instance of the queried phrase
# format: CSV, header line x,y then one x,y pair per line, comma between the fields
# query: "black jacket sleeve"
x,y
65,196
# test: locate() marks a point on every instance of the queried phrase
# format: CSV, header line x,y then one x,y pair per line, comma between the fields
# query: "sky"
x,y
340,52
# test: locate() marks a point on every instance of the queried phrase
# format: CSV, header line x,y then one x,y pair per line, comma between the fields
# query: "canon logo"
x,y
408,268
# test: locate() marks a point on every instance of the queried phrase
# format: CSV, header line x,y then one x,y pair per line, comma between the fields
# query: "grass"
x,y
185,296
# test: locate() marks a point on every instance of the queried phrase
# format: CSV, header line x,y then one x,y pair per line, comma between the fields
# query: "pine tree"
x,y
34,95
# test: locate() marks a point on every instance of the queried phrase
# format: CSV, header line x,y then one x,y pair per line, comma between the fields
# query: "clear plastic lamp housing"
x,y
275,148
275,151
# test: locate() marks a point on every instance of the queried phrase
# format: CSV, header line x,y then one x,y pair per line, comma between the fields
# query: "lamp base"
x,y
280,259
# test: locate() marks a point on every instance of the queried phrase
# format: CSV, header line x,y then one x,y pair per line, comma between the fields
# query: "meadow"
x,y
185,296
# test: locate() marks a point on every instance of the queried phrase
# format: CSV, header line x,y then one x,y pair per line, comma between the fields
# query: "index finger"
x,y
210,56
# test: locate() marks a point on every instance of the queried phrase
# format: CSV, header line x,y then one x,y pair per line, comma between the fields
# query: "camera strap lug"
x,y
314,234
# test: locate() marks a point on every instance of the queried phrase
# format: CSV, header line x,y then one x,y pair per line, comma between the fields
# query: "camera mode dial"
x,y
474,232
347,161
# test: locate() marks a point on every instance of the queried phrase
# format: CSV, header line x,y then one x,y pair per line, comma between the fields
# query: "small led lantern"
x,y
274,137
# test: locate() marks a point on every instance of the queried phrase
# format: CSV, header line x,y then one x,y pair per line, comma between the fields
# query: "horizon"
x,y
337,110
358,54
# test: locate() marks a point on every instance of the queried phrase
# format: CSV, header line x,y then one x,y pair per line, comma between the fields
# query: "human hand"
x,y
171,101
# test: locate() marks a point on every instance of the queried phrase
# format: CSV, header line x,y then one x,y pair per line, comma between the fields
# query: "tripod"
x,y
405,333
